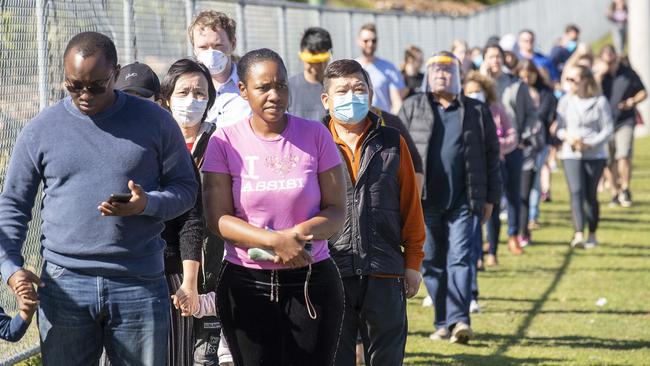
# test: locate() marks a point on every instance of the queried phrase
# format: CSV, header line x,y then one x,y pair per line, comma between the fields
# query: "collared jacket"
x,y
481,145
370,241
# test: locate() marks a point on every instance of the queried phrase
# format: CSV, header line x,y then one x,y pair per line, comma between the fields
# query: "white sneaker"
x,y
427,302
474,308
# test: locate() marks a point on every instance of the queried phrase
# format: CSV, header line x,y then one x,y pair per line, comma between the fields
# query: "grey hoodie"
x,y
586,118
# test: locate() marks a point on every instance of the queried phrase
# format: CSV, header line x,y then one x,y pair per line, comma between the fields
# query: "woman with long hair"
x,y
535,146
584,125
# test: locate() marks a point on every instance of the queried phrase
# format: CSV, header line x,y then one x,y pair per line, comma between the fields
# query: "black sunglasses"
x,y
97,87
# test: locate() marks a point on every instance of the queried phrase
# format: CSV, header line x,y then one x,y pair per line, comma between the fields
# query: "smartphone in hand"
x,y
119,197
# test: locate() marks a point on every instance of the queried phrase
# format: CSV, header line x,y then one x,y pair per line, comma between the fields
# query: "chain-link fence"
x,y
34,33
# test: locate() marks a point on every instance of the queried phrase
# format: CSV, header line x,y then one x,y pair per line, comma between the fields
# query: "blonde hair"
x,y
588,87
213,19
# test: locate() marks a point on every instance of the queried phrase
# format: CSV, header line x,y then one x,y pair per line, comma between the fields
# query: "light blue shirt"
x,y
384,77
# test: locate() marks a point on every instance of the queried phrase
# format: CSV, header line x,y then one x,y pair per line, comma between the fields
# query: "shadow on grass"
x,y
571,341
537,307
470,360
487,310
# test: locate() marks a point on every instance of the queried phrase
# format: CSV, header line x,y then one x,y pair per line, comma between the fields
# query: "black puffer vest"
x,y
370,241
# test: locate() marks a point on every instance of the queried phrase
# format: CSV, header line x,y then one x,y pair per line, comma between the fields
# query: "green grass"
x,y
540,308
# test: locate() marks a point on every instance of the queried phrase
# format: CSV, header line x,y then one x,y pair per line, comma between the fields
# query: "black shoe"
x,y
614,202
625,198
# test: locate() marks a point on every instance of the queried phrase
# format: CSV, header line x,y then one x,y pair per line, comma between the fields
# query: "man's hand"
x,y
27,300
487,212
135,206
412,279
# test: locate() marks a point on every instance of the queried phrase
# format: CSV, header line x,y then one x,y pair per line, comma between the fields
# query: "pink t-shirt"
x,y
274,181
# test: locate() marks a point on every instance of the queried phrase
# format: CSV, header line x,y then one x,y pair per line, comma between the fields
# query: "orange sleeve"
x,y
410,208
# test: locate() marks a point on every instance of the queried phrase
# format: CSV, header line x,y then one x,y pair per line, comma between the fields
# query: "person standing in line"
x,y
184,234
121,173
526,51
457,140
306,87
411,69
460,49
481,88
384,212
387,81
624,89
584,125
535,146
515,98
273,190
617,13
213,36
564,47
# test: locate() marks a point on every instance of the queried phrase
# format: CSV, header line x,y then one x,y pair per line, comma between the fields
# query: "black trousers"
x,y
376,308
582,176
265,319
527,183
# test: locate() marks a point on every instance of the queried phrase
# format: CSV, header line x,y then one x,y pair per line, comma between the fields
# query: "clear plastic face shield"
x,y
442,74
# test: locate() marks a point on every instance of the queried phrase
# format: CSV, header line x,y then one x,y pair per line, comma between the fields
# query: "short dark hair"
x,y
316,39
571,28
369,27
90,43
494,45
254,57
186,66
343,68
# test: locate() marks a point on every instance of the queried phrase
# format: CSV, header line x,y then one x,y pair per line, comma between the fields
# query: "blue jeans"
x,y
477,252
447,259
514,162
79,315
536,193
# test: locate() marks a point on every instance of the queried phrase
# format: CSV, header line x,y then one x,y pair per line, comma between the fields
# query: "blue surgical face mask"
x,y
350,108
571,46
477,61
478,96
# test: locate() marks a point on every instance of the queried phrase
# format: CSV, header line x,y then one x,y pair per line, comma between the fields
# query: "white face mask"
x,y
188,111
216,61
478,96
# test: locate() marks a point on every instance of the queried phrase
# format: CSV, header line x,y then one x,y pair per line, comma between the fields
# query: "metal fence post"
x,y
282,31
189,14
348,31
241,27
41,38
129,37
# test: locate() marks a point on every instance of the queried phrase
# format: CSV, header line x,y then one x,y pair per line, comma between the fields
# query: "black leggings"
x,y
527,183
582,177
265,319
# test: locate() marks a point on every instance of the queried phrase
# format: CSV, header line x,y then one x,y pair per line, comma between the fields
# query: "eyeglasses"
x,y
97,87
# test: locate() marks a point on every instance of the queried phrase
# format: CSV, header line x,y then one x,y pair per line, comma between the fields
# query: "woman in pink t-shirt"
x,y
274,182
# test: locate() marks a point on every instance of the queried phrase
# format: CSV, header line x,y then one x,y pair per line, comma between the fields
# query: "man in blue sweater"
x,y
102,283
